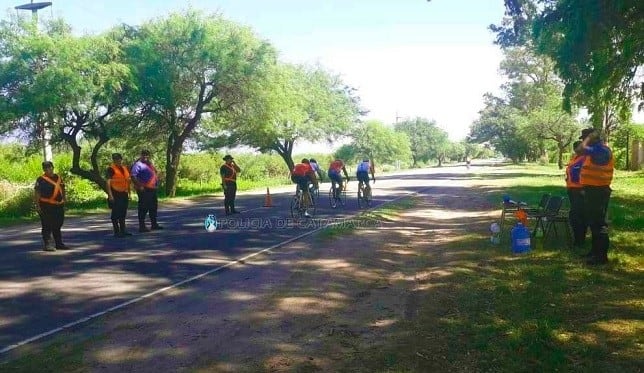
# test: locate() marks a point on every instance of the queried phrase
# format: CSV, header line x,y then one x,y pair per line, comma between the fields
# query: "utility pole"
x,y
45,133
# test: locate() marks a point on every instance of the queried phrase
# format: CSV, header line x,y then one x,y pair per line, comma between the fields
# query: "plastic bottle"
x,y
520,239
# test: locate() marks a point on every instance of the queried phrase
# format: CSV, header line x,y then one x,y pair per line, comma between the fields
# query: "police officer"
x,y
574,188
228,172
118,194
596,177
49,198
146,182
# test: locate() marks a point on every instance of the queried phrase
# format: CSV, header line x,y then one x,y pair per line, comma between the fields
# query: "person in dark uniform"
x,y
228,172
49,196
118,194
596,177
576,215
146,182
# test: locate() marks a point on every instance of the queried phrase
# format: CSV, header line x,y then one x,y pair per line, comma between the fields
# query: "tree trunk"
x,y
173,155
560,163
285,151
94,175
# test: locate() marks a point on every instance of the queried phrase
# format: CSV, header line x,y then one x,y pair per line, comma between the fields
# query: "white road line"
x,y
175,285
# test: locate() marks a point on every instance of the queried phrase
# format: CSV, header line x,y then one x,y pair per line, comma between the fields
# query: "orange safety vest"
x,y
120,180
58,191
597,175
569,183
301,169
232,177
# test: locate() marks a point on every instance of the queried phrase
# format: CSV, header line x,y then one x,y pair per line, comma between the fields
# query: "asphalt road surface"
x,y
44,292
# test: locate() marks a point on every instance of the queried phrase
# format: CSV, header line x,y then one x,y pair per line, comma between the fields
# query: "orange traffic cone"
x,y
267,201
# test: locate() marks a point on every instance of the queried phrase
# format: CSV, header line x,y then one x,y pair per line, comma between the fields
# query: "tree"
x,y
425,137
189,67
597,47
293,103
377,141
534,90
74,84
498,125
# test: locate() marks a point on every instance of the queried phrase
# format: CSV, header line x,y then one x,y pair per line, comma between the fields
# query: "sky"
x,y
407,58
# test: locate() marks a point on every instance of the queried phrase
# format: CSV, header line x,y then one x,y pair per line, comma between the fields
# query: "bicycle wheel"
x,y
296,211
362,202
311,209
367,196
343,198
332,201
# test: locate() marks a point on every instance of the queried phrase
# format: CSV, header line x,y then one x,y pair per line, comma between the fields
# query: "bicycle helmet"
x,y
313,160
305,160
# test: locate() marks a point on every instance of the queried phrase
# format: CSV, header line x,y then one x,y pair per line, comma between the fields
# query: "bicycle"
x,y
341,199
364,195
314,192
297,206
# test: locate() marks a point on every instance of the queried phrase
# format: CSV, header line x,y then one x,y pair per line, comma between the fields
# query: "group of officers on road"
x,y
588,177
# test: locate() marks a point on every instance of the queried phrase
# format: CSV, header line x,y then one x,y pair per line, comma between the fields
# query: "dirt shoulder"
x,y
343,300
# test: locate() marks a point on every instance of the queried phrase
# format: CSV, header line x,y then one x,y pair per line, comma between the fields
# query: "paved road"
x,y
41,291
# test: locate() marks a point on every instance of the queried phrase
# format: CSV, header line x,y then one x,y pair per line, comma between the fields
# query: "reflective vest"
x,y
120,180
233,175
58,191
576,161
301,169
597,175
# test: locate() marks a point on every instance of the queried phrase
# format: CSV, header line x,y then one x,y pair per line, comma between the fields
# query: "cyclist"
x,y
363,170
334,174
316,167
302,174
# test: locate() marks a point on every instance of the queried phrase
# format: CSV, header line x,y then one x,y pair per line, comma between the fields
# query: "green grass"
x,y
542,312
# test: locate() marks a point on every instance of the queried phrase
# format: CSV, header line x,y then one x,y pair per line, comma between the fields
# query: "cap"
x,y
228,157
116,156
585,132
47,164
145,153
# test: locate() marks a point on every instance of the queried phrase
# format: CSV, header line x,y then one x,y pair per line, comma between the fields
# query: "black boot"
x,y
115,226
122,230
155,226
142,227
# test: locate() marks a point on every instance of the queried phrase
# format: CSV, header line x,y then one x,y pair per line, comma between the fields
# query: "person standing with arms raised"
x,y
228,172
595,178
118,194
145,179
49,198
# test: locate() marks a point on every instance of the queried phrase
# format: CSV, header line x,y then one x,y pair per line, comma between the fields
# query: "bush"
x,y
19,205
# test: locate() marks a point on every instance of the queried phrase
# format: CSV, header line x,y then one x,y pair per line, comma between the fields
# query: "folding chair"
x,y
540,208
551,226
551,211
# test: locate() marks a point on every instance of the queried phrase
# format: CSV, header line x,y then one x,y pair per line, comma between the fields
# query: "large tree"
x,y
73,85
189,66
293,103
425,137
597,47
380,142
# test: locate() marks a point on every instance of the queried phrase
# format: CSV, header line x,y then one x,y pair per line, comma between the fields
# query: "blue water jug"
x,y
520,239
